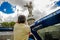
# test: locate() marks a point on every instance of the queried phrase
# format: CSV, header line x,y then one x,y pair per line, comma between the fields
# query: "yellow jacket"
x,y
21,31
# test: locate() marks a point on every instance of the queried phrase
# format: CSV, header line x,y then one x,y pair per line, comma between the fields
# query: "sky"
x,y
10,9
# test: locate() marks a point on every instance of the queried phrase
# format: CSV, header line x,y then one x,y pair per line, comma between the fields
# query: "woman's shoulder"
x,y
16,24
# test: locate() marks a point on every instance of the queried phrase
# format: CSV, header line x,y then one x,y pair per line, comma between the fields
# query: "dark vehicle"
x,y
49,20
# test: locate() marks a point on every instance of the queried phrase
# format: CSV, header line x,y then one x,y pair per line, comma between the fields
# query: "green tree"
x,y
11,24
5,24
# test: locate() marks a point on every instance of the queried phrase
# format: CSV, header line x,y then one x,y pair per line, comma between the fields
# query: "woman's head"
x,y
21,19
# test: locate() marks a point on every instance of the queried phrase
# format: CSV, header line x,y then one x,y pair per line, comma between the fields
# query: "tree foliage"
x,y
11,24
7,24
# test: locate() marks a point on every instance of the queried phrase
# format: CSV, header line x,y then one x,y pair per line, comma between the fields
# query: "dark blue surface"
x,y
6,6
6,29
49,20
30,39
57,3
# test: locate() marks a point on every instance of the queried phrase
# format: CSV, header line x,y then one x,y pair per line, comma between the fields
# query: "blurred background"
x,y
11,9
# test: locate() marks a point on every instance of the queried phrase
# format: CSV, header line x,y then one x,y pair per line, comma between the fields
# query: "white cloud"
x,y
44,6
12,16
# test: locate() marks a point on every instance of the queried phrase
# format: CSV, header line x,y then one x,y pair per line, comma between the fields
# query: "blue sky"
x,y
57,3
6,8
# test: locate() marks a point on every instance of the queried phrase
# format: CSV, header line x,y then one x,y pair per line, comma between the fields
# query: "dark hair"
x,y
21,19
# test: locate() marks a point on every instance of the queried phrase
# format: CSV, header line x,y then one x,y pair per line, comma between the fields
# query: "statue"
x,y
30,8
30,16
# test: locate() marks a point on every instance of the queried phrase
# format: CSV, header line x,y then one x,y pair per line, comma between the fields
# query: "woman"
x,y
21,29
